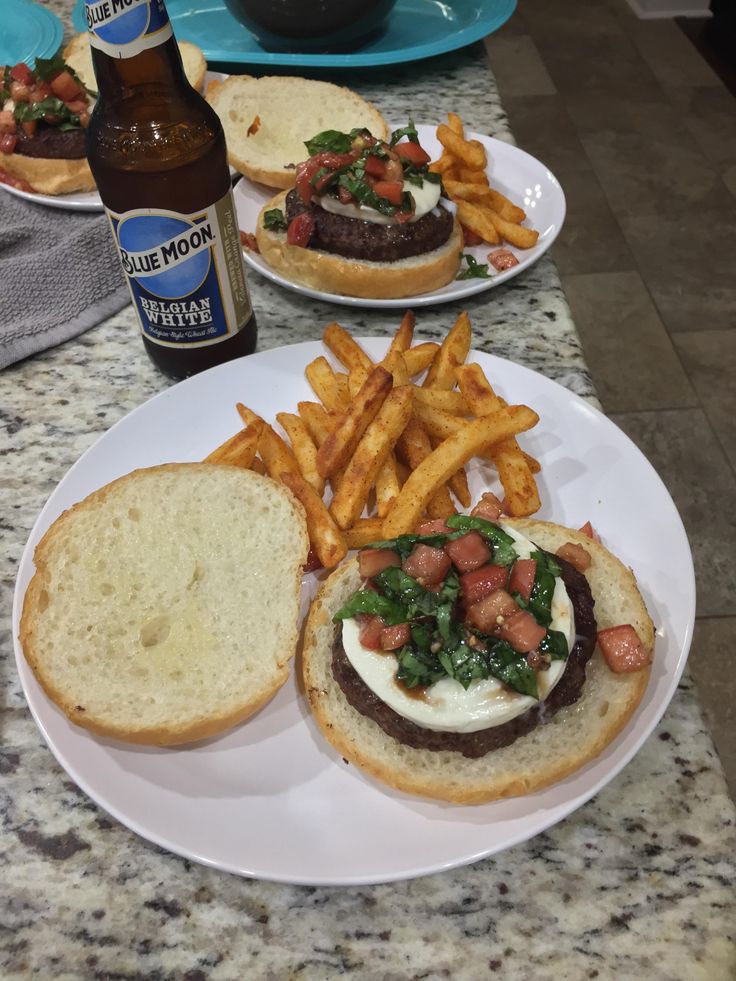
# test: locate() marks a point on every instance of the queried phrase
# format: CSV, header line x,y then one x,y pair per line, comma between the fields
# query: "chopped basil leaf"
x,y
475,270
546,561
362,192
410,132
504,552
25,112
330,140
418,667
369,601
540,601
274,220
554,643
404,544
513,669
398,585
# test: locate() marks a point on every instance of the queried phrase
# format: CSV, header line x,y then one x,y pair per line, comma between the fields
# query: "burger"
x,y
365,218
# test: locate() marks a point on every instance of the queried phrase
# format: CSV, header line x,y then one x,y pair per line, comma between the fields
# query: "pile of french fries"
x,y
481,209
379,443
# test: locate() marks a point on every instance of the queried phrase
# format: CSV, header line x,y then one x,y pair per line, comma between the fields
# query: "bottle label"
x,y
185,272
124,28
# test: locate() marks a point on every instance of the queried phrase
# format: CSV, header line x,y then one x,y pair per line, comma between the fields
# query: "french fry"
x,y
455,123
522,238
442,165
357,379
415,445
360,473
316,419
458,484
479,193
326,538
364,531
322,379
470,152
304,448
340,444
517,480
387,485
343,388
259,466
533,464
347,351
420,357
275,453
478,220
240,449
472,176
403,337
449,456
452,353
439,398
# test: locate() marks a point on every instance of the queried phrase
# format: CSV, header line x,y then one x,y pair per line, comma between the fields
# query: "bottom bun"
x,y
550,752
358,277
49,176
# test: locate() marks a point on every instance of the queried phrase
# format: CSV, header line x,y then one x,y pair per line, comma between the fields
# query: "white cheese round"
x,y
425,197
446,706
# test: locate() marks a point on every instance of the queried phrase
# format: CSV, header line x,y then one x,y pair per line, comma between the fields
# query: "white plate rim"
x,y
39,704
461,289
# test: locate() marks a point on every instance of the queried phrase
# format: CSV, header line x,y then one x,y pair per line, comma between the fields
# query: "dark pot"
x,y
308,25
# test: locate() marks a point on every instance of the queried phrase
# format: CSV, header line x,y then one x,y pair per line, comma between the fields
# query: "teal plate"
x,y
415,29
28,31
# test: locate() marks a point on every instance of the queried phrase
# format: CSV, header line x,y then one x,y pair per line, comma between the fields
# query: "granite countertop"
x,y
637,883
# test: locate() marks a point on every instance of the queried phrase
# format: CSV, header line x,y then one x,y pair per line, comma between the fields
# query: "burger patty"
x,y
358,239
52,143
476,744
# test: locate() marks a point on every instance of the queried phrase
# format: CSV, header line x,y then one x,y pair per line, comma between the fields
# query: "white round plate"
x,y
271,798
518,175
86,200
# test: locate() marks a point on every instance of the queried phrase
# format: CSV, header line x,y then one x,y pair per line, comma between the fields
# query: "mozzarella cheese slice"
x,y
446,706
425,197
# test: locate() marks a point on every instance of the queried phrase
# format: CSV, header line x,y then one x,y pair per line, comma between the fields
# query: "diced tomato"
x,y
20,92
249,240
522,577
502,259
370,632
576,555
470,238
21,73
435,527
375,166
17,182
590,531
488,507
77,106
300,229
394,170
394,637
8,142
522,631
371,561
391,190
305,171
403,216
486,613
413,153
623,649
30,127
427,564
41,91
312,562
66,87
7,122
468,552
481,582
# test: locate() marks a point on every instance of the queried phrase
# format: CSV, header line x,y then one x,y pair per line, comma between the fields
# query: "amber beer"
x,y
157,153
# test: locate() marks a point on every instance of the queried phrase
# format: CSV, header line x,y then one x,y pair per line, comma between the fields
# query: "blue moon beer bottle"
x,y
157,153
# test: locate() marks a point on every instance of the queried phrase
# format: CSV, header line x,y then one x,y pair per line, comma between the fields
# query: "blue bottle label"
x,y
185,272
124,28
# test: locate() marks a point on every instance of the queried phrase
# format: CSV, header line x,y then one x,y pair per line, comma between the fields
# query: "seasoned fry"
x,y
304,448
337,449
438,398
403,337
347,351
478,220
387,485
455,123
470,152
415,445
259,466
452,353
418,358
240,449
449,456
326,538
470,176
275,453
522,238
479,193
357,379
316,420
364,531
443,164
379,438
343,388
322,379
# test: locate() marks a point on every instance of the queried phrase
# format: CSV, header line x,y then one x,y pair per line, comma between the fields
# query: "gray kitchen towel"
x,y
59,276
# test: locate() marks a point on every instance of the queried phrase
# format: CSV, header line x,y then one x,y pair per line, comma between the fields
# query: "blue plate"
x,y
415,29
28,32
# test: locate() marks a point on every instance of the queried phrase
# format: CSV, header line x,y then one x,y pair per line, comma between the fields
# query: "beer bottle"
x,y
157,152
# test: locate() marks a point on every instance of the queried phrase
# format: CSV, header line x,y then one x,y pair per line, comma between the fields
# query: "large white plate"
x,y
515,173
86,200
270,798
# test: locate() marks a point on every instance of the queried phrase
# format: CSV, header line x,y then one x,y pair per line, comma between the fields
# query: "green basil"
x,y
330,140
274,221
25,112
48,68
410,132
364,193
513,669
475,270
504,552
418,667
369,601
554,643
404,544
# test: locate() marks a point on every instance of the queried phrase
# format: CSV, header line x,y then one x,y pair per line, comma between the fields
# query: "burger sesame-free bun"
x,y
282,113
332,273
78,55
164,606
550,752
49,176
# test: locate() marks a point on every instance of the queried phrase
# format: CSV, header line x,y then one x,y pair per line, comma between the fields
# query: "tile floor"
x,y
642,135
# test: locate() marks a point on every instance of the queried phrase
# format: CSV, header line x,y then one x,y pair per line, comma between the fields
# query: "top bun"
x,y
164,606
289,111
78,55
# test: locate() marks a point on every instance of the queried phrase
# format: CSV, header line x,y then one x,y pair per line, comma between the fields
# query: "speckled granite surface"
x,y
637,883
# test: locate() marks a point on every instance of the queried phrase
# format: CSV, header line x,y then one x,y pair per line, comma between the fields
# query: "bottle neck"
x,y
159,66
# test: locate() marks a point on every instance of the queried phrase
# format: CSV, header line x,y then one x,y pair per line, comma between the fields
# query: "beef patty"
x,y
51,143
476,744
358,239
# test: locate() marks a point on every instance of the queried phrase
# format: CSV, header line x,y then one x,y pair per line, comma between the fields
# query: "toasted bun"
x,y
49,176
358,277
290,111
164,606
548,753
78,55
